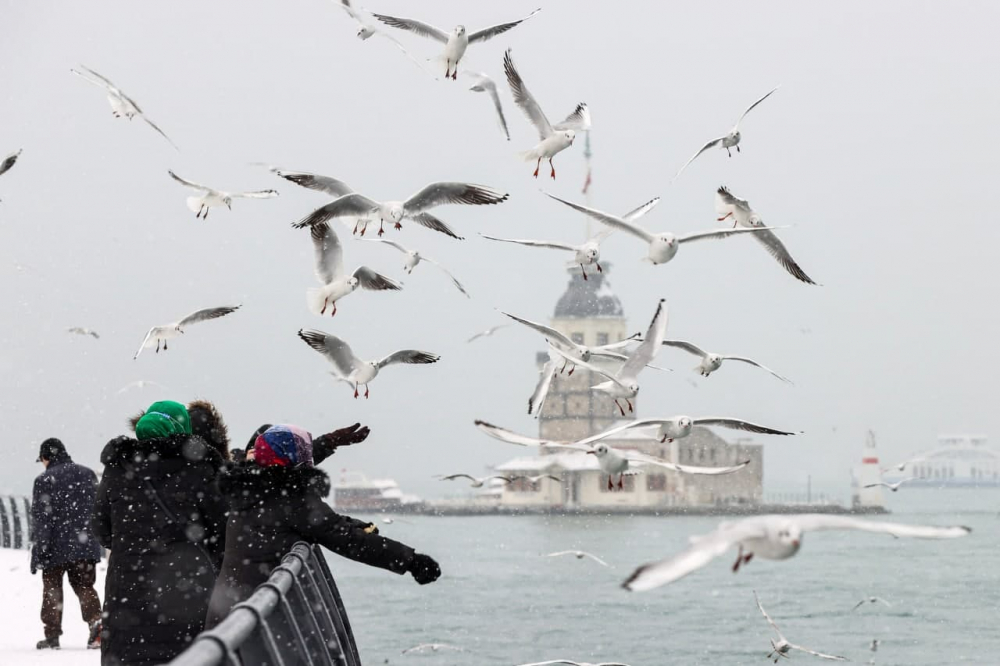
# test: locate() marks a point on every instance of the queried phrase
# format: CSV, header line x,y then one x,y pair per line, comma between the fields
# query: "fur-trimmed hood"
x,y
124,451
251,483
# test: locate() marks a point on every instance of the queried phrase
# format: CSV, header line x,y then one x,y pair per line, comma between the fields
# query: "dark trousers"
x,y
82,576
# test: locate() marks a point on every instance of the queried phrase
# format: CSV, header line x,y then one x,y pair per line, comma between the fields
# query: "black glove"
x,y
354,434
424,569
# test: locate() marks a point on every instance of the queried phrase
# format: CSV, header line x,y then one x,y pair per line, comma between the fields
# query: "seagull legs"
x,y
621,485
538,165
666,440
584,271
381,230
552,166
157,345
620,408
366,391
729,152
333,310
563,369
611,486
720,219
326,301
629,405
741,559
599,269
355,391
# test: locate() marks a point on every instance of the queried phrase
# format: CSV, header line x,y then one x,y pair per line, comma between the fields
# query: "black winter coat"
x,y
61,504
270,509
162,567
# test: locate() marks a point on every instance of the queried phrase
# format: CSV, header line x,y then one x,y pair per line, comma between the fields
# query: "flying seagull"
x,y
730,140
662,246
84,331
589,253
782,646
710,361
871,600
161,334
367,27
891,486
211,198
9,162
413,259
578,554
679,427
351,369
483,83
728,205
329,256
553,139
487,333
573,351
536,401
455,42
432,647
478,481
415,208
771,537
121,104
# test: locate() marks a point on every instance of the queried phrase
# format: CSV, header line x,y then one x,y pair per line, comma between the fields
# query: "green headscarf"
x,y
162,419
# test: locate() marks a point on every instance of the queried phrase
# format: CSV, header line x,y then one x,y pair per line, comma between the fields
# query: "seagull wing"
x,y
483,83
642,459
777,249
335,350
8,162
743,359
434,224
312,181
596,559
259,194
710,144
328,253
882,601
537,400
700,553
145,340
635,214
524,99
717,233
157,128
737,424
588,366
494,30
552,335
188,183
350,205
725,201
372,281
818,522
863,601
390,243
454,280
610,220
643,354
689,347
767,617
751,107
452,477
439,194
510,437
533,243
578,121
101,80
408,356
614,430
816,654
206,314
414,26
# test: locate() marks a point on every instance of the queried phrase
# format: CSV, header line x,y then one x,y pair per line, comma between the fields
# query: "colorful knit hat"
x,y
163,419
284,446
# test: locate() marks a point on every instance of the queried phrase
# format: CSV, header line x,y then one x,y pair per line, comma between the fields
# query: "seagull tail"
x,y
194,204
529,155
315,300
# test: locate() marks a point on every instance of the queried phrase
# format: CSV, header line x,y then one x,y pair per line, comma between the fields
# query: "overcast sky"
x,y
880,150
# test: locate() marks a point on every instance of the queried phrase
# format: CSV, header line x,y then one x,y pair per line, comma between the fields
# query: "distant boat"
x,y
356,492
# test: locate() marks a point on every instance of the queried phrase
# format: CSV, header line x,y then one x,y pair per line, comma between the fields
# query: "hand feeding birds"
x,y
336,283
212,198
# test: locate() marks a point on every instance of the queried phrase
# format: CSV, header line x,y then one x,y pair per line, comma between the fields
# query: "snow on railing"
x,y
295,618
15,522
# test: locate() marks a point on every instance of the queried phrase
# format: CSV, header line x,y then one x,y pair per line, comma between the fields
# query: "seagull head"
x,y
600,450
459,30
790,535
585,354
364,32
228,201
756,220
352,282
714,359
592,253
633,387
570,135
684,423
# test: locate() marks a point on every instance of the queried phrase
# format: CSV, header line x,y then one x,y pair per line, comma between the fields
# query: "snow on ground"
x,y
20,610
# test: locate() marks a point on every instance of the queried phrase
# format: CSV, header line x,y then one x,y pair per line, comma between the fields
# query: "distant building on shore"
x,y
957,461
589,313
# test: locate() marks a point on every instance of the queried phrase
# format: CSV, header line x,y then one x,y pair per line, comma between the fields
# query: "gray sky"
x,y
879,148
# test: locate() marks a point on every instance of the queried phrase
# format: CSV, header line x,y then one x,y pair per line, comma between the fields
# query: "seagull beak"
x,y
795,542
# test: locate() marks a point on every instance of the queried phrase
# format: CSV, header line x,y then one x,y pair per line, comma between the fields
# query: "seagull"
x,y
432,647
350,368
710,362
169,331
728,205
771,537
662,246
121,104
578,554
679,427
483,83
210,198
782,646
570,662
9,162
487,333
901,466
478,481
455,42
589,253
141,384
367,27
572,351
436,194
894,487
537,399
413,258
612,461
729,140
553,139
874,646
871,600
330,273
84,331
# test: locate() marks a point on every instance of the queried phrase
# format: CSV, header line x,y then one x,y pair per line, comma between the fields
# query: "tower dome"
x,y
590,298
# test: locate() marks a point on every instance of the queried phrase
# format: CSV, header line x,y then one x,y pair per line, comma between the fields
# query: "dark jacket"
x,y
270,509
61,505
160,513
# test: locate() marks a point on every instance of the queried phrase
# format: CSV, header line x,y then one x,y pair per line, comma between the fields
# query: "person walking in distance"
x,y
64,545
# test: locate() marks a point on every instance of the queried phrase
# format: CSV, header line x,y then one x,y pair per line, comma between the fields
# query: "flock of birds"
x,y
619,364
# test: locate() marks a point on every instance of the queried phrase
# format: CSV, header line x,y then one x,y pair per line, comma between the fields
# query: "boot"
x,y
48,644
94,639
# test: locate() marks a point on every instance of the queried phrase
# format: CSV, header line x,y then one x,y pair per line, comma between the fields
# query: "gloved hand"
x,y
424,569
354,434
371,529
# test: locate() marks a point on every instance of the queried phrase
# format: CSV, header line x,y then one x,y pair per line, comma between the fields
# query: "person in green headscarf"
x,y
162,419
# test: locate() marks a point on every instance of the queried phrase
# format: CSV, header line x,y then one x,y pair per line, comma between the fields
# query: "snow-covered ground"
x,y
21,599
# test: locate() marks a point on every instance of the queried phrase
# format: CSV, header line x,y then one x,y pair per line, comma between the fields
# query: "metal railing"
x,y
295,618
15,522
